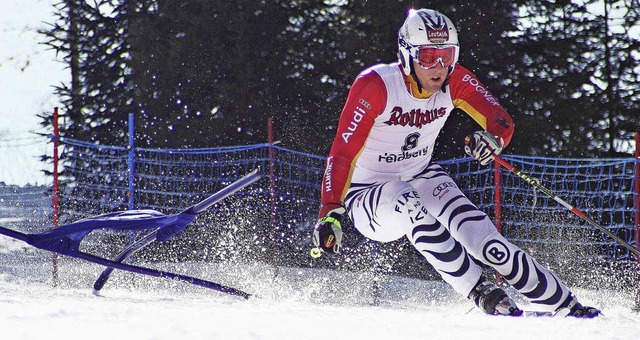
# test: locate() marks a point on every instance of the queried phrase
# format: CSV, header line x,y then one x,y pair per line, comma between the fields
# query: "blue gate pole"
x,y
131,164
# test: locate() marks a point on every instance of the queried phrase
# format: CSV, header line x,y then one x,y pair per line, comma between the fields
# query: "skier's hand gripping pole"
x,y
483,146
327,233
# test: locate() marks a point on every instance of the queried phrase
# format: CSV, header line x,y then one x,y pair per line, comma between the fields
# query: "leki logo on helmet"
x,y
438,36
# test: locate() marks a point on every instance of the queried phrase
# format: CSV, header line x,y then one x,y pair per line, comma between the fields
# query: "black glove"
x,y
327,234
483,146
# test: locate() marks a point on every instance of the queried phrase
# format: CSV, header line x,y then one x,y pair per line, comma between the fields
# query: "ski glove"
x,y
483,146
327,234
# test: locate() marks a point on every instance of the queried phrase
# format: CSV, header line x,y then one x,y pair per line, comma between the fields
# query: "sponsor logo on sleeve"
x,y
327,175
358,114
480,89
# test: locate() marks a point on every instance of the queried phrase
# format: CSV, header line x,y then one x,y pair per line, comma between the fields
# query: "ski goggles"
x,y
429,56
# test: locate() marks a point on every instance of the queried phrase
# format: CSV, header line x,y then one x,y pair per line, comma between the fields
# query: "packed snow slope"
x,y
287,303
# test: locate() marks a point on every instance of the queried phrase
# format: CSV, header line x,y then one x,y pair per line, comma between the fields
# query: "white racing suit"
x,y
445,227
379,168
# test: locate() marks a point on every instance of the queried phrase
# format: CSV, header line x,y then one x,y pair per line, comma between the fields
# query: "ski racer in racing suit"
x,y
379,171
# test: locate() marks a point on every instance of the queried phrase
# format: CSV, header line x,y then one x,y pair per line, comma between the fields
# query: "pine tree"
x,y
200,73
89,36
577,79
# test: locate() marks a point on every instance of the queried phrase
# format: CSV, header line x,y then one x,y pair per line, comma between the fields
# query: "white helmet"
x,y
426,28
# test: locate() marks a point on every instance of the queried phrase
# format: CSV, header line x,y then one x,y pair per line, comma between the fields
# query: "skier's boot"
x,y
571,307
491,299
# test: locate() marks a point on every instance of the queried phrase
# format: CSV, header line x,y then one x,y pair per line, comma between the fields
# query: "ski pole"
x,y
562,202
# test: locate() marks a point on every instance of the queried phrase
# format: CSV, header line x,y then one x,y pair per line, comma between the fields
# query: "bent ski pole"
x,y
562,202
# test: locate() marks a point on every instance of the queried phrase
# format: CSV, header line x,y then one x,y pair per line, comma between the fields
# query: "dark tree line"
x,y
579,69
201,73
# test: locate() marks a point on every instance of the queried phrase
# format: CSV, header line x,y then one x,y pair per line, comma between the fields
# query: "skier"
x,y
379,171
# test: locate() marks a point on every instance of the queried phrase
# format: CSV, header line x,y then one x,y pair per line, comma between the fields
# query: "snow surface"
x,y
288,304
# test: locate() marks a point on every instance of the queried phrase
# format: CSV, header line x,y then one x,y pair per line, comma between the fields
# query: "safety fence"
x,y
272,219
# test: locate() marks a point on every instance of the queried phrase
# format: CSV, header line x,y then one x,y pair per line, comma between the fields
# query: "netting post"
x,y
55,201
497,203
497,196
636,196
131,161
272,191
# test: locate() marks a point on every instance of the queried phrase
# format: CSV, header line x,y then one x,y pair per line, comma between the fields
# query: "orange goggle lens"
x,y
429,57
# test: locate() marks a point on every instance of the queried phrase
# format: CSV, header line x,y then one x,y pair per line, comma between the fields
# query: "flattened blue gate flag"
x,y
66,239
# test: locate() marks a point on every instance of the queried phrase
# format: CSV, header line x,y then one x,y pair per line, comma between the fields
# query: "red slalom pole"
x,y
55,201
272,191
497,197
562,202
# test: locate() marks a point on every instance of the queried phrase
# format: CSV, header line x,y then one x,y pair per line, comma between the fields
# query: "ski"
x,y
530,314
525,314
